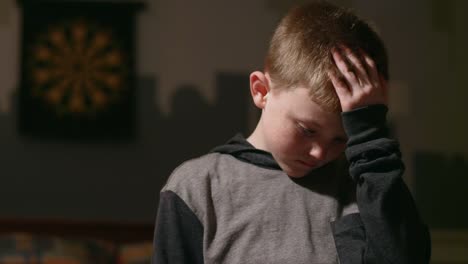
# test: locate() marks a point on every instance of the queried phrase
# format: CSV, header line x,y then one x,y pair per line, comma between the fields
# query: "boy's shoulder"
x,y
198,173
192,169
198,179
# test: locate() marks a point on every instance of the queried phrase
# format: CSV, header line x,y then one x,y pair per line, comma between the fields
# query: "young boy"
x,y
286,194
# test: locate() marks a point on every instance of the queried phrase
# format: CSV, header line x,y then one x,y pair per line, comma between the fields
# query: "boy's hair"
x,y
299,52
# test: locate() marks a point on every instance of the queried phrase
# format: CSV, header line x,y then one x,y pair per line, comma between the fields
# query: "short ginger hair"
x,y
299,51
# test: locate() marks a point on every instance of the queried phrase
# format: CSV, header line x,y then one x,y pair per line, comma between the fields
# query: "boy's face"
x,y
300,135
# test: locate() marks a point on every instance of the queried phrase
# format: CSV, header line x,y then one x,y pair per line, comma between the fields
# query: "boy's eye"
x,y
304,130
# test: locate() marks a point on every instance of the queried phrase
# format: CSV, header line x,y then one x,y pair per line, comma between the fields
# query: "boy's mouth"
x,y
307,164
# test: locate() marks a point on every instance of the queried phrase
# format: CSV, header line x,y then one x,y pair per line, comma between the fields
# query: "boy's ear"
x,y
259,88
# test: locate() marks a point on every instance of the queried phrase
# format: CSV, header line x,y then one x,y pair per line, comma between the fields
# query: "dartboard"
x,y
76,68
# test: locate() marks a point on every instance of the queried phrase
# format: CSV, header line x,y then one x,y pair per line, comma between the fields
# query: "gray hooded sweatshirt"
x,y
236,205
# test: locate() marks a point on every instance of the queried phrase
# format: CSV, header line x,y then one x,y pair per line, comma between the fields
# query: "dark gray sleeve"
x,y
388,228
178,235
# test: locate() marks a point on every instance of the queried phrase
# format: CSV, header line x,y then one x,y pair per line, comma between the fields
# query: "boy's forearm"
x,y
394,231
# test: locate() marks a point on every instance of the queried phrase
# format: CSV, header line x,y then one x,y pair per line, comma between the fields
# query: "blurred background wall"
x,y
193,61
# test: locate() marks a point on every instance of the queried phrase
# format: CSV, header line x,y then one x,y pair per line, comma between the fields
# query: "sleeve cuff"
x,y
365,123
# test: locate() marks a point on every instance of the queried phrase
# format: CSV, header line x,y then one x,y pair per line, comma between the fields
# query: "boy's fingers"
x,y
357,65
339,61
341,87
372,68
345,69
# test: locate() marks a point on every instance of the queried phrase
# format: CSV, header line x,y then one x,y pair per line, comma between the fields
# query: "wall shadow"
x,y
118,180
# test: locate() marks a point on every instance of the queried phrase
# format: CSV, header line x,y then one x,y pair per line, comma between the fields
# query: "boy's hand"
x,y
362,85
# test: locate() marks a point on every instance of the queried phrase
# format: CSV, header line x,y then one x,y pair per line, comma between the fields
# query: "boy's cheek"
x,y
338,154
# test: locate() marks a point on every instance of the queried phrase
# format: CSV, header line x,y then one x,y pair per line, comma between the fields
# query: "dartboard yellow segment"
x,y
57,38
43,53
41,76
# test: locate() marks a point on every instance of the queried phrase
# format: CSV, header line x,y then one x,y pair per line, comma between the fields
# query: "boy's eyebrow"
x,y
310,122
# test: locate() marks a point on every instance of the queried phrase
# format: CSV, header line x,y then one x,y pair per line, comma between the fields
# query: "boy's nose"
x,y
318,152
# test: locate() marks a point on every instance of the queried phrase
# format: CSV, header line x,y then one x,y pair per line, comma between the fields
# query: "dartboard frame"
x,y
78,77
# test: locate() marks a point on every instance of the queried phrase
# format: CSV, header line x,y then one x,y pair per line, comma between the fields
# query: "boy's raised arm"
x,y
388,228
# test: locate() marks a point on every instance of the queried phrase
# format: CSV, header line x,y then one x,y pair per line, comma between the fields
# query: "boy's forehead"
x,y
302,106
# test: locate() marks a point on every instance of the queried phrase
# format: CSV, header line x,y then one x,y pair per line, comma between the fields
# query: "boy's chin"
x,y
296,176
312,171
301,174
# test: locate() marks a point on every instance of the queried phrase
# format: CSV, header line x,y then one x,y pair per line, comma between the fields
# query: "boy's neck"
x,y
256,138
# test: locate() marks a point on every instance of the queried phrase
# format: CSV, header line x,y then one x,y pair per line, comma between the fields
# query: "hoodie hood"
x,y
241,149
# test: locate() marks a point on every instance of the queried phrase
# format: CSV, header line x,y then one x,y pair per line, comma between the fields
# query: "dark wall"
x,y
441,189
118,181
